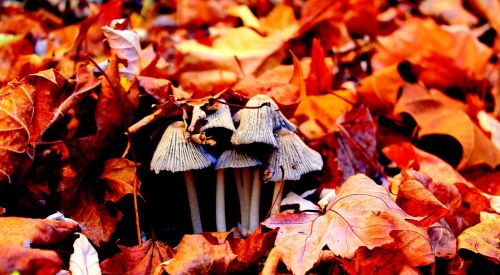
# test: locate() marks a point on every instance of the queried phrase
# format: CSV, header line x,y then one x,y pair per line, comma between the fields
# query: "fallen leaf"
x,y
28,261
210,253
39,232
320,78
28,109
452,11
362,215
435,118
483,238
140,259
84,259
350,149
119,175
79,200
369,260
443,240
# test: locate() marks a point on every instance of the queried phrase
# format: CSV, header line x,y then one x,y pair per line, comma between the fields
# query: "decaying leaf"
x,y
140,259
84,258
362,215
30,261
24,231
119,175
209,254
483,238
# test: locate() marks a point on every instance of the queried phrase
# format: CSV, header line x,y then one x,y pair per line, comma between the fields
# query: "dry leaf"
x,y
119,175
140,259
362,215
84,260
483,238
28,261
40,232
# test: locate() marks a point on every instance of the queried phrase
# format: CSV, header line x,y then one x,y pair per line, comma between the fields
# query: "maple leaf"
x,y
28,109
483,238
362,215
139,259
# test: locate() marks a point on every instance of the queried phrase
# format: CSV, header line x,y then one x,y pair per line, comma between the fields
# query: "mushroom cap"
x,y
234,158
294,156
221,118
256,125
175,152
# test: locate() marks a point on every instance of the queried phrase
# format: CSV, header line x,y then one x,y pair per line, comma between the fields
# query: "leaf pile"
x,y
400,98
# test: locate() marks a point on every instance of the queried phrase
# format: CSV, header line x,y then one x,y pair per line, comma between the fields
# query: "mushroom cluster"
x,y
260,141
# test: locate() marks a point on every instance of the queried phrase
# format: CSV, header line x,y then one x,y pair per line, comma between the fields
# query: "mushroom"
x,y
232,158
296,159
177,153
258,120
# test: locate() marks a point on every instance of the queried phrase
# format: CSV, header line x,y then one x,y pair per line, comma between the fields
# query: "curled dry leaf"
x,y
84,260
362,215
483,238
119,175
27,110
443,240
435,117
418,201
21,231
28,261
140,259
208,254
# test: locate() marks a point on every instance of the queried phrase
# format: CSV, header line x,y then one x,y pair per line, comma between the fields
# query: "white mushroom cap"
x,y
234,158
221,118
294,156
256,125
175,152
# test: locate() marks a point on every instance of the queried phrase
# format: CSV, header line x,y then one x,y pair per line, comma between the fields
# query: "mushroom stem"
x,y
220,210
247,190
255,201
278,189
193,202
241,196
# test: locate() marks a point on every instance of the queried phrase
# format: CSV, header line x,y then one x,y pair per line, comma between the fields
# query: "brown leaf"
x,y
211,253
434,117
350,149
139,259
320,78
28,261
452,11
483,238
201,254
28,109
79,200
369,260
21,231
362,215
119,175
444,243
418,201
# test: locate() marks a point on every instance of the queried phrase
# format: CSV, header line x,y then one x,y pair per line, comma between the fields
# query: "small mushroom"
x,y
198,114
177,153
296,159
233,158
257,122
221,118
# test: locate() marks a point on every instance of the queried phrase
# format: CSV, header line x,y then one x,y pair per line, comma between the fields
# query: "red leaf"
x,y
320,78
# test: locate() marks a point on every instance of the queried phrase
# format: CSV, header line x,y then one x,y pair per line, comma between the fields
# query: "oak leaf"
x,y
362,215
